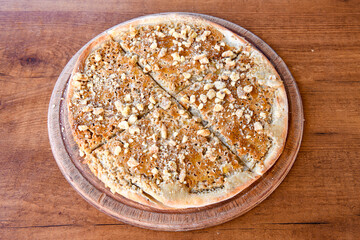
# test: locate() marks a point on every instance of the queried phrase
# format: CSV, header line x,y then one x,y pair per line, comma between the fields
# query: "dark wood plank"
x,y
317,200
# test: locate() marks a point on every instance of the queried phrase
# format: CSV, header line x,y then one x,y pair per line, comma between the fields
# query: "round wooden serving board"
x,y
93,190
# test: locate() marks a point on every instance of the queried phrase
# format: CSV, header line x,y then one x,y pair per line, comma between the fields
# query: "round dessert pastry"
x,y
175,111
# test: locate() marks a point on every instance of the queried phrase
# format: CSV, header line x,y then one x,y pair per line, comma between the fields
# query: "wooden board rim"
x,y
179,220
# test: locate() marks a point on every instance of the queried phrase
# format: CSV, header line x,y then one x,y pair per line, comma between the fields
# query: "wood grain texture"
x,y
66,153
319,199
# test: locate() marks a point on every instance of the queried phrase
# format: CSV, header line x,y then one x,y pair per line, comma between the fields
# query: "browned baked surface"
x,y
170,157
232,129
107,88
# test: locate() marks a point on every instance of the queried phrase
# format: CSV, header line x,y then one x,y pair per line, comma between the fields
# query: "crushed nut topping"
x,y
219,85
220,95
218,108
124,125
83,127
248,89
203,132
134,129
208,86
187,75
203,98
211,94
117,150
228,53
132,119
132,162
239,113
258,126
163,132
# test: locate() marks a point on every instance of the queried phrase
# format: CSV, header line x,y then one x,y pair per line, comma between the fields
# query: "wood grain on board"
x,y
320,44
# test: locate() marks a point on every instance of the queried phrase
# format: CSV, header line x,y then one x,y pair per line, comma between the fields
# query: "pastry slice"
x,y
106,88
175,53
169,158
245,105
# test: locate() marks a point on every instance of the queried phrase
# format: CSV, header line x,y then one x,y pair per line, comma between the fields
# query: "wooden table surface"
x,y
319,41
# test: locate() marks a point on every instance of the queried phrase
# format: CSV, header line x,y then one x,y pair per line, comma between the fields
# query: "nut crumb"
x,y
97,111
172,143
163,132
203,98
81,153
132,119
218,100
211,94
203,132
83,127
220,95
127,98
154,171
204,60
239,113
258,126
184,99
219,85
117,150
152,100
187,75
153,45
132,162
123,125
248,89
218,108
162,52
234,76
140,106
208,86
134,129
228,53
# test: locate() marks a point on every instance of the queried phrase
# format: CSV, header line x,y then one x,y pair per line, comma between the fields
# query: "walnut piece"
x,y
203,132
132,119
208,86
123,125
211,94
258,126
163,132
203,98
219,85
218,108
132,162
83,127
248,89
117,150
